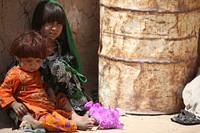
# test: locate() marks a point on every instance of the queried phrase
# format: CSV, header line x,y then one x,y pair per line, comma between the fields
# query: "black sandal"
x,y
186,118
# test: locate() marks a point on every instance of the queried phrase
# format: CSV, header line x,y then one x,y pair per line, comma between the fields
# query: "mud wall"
x,y
83,16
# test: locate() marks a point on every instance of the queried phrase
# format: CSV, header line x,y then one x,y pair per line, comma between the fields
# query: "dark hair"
x,y
47,12
29,44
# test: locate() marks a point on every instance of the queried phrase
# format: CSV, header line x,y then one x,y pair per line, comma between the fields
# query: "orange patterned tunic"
x,y
27,88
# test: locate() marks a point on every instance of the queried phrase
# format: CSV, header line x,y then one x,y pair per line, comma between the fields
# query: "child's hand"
x,y
19,108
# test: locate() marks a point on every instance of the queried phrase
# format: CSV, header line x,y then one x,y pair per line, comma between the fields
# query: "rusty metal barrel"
x,y
147,53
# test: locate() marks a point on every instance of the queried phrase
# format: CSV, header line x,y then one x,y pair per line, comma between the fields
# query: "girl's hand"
x,y
19,108
52,95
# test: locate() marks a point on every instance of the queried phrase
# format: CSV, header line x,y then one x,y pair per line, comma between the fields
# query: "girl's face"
x,y
29,64
51,30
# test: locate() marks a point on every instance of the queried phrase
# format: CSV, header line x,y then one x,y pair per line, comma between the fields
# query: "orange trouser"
x,y
58,120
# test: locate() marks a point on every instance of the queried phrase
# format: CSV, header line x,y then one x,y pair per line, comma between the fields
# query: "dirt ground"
x,y
132,124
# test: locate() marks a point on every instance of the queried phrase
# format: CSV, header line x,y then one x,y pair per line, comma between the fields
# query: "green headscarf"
x,y
67,36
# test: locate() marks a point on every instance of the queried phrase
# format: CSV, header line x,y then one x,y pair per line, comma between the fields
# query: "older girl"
x,y
61,70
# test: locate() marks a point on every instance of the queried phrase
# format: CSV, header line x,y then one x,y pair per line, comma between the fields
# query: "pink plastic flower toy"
x,y
106,118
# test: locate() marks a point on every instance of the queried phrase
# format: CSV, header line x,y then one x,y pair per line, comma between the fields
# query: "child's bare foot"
x,y
29,122
83,123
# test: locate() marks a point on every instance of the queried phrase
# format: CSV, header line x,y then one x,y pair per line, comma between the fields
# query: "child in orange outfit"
x,y
22,89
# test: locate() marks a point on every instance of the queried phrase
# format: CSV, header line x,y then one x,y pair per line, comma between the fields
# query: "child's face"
x,y
30,64
51,30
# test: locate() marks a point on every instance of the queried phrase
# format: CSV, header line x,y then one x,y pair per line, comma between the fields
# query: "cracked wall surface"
x,y
83,17
15,17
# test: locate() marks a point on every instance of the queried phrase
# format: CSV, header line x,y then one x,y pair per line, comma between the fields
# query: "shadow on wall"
x,y
198,59
5,121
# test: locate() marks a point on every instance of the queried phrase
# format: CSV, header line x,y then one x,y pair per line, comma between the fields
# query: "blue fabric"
x,y
38,130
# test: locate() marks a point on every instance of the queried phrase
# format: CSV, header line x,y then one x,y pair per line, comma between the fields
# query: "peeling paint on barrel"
x,y
147,54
